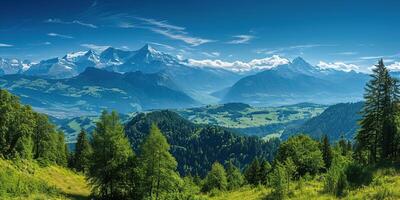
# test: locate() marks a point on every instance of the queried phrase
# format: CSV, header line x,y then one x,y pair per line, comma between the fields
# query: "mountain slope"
x,y
23,179
336,121
95,90
197,147
298,82
197,81
66,67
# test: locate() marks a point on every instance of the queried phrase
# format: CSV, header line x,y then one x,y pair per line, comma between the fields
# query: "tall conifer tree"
x,y
376,137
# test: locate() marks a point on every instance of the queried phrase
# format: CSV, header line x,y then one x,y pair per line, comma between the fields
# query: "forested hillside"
x,y
339,120
197,147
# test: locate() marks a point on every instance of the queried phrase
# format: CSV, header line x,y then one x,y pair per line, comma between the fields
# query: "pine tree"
x,y
252,172
158,166
111,153
326,152
83,152
234,176
215,179
265,169
377,133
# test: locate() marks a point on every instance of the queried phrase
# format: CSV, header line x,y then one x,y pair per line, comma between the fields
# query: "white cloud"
x,y
95,47
163,45
126,25
5,45
161,24
338,66
212,54
241,39
172,31
394,66
370,57
346,53
60,35
182,36
125,47
239,66
59,21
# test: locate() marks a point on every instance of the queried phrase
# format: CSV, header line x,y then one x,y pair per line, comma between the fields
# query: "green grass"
x,y
385,185
27,180
260,121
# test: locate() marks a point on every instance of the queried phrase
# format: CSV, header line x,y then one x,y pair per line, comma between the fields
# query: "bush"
x,y
304,152
358,175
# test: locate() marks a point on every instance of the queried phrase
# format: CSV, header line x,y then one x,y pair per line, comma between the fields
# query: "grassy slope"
x,y
28,180
385,185
250,116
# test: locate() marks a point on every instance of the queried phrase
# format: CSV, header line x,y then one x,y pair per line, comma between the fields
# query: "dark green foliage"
x,y
326,152
345,147
157,166
83,152
27,134
358,175
111,153
376,138
215,179
234,176
252,172
196,147
304,152
265,169
257,172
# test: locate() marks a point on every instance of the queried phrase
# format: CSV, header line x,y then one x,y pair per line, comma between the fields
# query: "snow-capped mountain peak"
x,y
14,66
74,55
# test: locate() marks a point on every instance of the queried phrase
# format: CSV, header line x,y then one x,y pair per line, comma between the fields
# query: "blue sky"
x,y
341,31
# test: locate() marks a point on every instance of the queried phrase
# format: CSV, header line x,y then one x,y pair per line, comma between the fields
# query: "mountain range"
x,y
298,81
149,79
94,90
147,60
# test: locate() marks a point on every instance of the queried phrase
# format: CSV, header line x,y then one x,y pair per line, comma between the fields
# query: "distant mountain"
x,y
295,82
336,121
13,66
66,67
197,147
196,81
96,89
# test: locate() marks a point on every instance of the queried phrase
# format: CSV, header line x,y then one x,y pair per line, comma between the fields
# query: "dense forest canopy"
x,y
197,147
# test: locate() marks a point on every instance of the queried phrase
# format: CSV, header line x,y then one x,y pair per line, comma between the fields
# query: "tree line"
x,y
115,171
27,134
